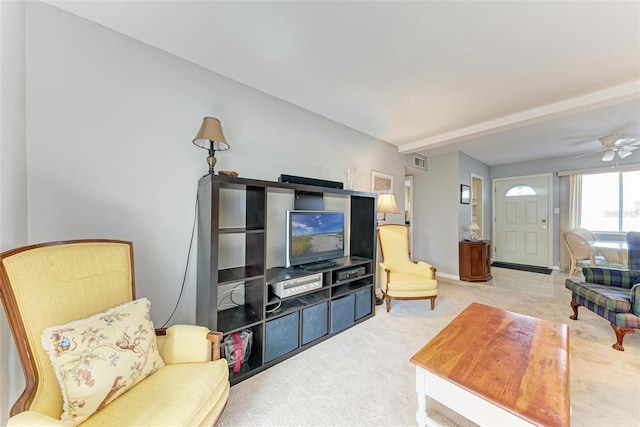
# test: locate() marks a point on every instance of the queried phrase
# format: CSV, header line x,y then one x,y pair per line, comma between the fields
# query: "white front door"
x,y
522,232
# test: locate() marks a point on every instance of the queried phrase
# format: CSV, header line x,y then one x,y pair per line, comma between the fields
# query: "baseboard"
x,y
447,276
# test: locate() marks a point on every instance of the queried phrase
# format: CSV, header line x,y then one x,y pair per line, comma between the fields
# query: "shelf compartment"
x,y
254,364
274,299
353,279
344,289
246,370
293,304
237,274
237,318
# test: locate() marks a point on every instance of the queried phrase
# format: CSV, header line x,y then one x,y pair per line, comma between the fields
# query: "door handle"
x,y
544,224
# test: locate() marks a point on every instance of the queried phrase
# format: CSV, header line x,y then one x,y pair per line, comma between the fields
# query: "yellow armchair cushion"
x,y
166,399
163,399
99,358
410,281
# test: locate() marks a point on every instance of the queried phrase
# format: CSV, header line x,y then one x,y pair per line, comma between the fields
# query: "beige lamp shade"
x,y
210,135
387,204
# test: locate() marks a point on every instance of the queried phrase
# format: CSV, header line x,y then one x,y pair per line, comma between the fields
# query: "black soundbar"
x,y
309,181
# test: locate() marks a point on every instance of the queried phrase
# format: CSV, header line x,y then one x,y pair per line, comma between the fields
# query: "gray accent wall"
x,y
96,143
13,176
436,213
110,122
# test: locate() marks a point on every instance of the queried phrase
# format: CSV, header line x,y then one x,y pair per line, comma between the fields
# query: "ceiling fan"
x,y
622,145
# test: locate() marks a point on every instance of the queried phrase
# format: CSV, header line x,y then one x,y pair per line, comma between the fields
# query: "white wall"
x,y
13,176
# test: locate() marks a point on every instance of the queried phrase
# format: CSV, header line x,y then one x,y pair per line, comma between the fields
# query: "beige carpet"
x,y
362,376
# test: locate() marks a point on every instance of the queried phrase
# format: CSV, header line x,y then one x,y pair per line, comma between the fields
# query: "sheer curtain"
x,y
575,200
570,201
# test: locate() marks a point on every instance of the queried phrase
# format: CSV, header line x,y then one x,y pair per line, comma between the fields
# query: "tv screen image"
x,y
314,236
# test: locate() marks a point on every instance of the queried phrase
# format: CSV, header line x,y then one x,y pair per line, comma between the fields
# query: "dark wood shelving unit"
x,y
281,327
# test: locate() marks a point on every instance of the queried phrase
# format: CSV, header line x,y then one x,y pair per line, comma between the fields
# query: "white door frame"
x,y
550,217
481,206
409,178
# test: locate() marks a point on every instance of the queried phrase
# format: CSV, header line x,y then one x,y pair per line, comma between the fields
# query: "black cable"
x,y
186,268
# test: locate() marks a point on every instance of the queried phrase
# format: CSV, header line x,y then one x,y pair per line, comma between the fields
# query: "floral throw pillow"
x,y
99,358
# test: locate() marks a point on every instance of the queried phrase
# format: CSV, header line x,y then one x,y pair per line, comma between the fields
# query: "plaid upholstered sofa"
x,y
612,294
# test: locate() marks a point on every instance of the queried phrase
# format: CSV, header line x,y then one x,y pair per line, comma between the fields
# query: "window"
x,y
520,190
611,201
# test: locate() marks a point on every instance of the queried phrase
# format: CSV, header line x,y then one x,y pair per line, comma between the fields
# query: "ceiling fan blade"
x,y
622,152
624,141
609,141
608,155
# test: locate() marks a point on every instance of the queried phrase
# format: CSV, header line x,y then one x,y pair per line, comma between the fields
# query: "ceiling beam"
x,y
592,101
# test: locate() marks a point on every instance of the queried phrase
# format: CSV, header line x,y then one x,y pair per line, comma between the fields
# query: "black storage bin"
x,y
281,336
314,322
342,313
363,302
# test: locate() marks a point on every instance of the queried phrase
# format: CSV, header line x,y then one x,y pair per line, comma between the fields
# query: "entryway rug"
x,y
522,267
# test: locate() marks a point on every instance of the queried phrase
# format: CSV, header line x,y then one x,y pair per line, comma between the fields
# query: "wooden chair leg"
x,y
620,333
388,301
575,306
572,268
433,302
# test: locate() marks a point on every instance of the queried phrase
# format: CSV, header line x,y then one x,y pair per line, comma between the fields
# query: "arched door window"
x,y
520,190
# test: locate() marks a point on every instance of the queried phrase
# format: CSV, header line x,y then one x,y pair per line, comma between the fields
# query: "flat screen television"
x,y
314,236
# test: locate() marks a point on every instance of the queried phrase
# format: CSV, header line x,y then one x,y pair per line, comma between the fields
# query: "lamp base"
x,y
211,161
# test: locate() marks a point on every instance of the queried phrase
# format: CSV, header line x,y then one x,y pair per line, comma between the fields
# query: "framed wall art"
x,y
381,182
465,194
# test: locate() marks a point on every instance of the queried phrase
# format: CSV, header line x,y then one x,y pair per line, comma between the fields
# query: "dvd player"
x,y
350,273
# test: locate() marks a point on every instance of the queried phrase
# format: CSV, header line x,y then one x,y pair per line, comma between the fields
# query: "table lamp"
x,y
387,204
210,137
474,228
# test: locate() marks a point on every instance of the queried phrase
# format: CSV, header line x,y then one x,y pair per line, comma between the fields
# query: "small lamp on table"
x,y
474,228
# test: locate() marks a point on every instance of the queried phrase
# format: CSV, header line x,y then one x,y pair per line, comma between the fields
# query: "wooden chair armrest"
x,y
216,338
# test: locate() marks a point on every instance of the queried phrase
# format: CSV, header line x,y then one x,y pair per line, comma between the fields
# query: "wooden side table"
x,y
475,260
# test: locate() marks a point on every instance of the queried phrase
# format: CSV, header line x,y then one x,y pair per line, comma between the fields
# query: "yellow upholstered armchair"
x,y
403,278
88,348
